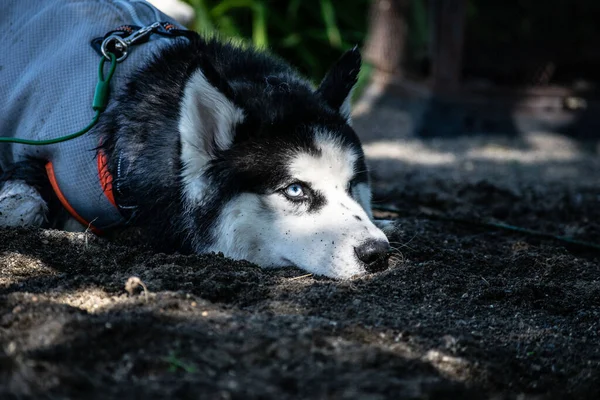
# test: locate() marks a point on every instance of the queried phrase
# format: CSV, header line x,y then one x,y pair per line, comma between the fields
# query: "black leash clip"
x,y
121,39
119,46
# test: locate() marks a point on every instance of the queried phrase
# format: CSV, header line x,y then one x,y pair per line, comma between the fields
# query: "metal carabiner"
x,y
119,45
141,33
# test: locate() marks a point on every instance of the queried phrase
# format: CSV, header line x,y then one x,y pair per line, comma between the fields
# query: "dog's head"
x,y
273,172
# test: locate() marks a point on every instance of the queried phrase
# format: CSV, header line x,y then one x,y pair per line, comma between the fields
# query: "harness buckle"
x,y
120,46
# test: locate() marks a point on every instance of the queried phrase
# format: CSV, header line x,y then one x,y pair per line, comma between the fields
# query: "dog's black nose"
x,y
373,253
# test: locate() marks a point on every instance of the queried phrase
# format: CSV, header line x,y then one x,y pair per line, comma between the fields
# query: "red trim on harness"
x,y
106,182
106,179
65,203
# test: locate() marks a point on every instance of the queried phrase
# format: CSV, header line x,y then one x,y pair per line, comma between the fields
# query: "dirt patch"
x,y
465,311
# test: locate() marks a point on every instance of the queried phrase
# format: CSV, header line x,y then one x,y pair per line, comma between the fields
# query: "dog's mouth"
x,y
381,264
378,265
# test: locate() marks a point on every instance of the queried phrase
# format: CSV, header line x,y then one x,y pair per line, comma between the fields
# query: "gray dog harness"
x,y
48,73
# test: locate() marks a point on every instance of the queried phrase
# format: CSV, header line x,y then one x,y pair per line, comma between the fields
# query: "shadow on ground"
x,y
462,313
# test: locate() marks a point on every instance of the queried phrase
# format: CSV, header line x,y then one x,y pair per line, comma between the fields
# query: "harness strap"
x,y
127,35
106,184
65,202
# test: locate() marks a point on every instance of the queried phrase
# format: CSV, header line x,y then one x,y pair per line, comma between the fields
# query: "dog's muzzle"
x,y
373,254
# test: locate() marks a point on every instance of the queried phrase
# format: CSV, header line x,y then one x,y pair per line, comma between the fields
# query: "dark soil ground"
x,y
466,311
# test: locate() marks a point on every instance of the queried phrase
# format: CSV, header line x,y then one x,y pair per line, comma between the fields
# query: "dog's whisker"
x,y
405,244
361,171
397,258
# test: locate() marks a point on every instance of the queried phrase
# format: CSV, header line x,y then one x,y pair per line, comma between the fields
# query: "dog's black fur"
x,y
140,130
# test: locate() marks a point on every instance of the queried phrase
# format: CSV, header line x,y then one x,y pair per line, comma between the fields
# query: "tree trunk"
x,y
448,31
386,39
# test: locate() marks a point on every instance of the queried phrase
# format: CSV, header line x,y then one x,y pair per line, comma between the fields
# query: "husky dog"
x,y
206,146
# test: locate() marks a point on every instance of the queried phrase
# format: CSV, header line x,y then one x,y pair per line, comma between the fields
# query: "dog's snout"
x,y
373,253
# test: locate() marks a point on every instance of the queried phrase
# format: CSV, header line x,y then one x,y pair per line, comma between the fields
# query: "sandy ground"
x,y
465,311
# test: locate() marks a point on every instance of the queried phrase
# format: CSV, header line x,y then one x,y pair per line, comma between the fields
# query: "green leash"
x,y
98,105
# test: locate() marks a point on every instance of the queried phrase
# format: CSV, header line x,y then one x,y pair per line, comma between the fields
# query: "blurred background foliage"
x,y
310,34
506,42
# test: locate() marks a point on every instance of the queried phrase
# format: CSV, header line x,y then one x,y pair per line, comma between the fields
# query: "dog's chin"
x,y
344,271
347,274
339,265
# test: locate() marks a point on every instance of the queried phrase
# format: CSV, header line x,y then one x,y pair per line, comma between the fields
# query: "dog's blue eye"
x,y
295,190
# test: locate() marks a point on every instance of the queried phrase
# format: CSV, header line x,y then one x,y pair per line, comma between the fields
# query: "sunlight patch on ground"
x,y
88,299
455,368
541,147
17,267
530,148
411,152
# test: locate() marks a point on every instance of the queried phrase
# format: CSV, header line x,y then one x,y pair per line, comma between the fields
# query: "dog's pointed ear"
x,y
207,122
208,114
336,88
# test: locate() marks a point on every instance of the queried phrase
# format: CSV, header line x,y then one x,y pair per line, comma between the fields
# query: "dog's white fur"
x,y
206,124
346,108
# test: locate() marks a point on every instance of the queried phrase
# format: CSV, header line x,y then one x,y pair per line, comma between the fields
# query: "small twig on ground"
x,y
85,233
134,282
300,277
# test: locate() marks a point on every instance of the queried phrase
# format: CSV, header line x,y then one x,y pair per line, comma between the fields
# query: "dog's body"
x,y
211,147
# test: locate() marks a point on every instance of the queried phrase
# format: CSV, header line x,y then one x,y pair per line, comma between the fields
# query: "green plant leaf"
x,y
227,6
203,21
309,34
259,25
333,32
